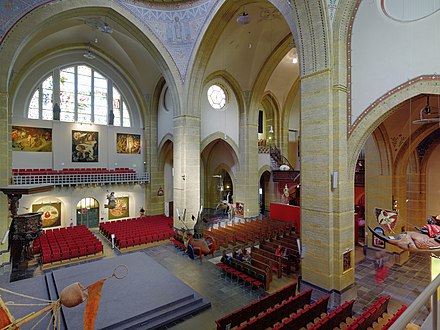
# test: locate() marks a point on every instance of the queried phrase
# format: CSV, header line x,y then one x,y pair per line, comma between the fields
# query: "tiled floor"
x,y
404,283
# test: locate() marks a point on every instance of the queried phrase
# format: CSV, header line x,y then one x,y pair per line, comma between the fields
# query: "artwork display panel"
x,y
51,216
33,139
121,210
128,143
84,146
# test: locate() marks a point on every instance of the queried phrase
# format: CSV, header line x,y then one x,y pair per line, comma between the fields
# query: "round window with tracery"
x,y
217,97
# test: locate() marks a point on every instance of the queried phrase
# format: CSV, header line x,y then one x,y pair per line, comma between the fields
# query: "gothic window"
x,y
84,96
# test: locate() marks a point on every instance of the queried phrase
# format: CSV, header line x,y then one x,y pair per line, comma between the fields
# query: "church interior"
x,y
224,164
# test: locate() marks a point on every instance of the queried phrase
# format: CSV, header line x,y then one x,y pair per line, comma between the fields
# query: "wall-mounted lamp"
x,y
334,179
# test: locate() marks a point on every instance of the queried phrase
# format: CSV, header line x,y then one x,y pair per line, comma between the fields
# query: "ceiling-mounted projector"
x,y
244,18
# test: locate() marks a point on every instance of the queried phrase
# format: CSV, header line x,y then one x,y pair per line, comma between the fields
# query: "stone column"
x,y
327,225
186,154
5,170
246,190
154,204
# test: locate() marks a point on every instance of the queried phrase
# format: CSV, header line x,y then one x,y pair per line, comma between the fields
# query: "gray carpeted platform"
x,y
149,297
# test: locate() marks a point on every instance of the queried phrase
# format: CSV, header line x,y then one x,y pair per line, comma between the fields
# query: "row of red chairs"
x,y
285,310
394,318
138,231
70,252
371,314
63,244
262,305
336,317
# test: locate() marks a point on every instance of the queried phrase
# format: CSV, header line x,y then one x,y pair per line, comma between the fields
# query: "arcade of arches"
x,y
330,84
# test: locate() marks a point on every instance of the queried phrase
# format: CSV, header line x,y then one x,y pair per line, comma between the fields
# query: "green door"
x,y
87,213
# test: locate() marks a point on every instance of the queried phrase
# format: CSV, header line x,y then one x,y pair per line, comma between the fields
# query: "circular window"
x,y
217,97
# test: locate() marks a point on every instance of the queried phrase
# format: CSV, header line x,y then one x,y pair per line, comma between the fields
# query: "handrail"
x,y
414,308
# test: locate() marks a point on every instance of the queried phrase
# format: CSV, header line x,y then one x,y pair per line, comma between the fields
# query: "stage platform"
x,y
148,297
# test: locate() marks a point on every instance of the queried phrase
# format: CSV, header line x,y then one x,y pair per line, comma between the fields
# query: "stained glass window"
x,y
67,94
34,106
84,97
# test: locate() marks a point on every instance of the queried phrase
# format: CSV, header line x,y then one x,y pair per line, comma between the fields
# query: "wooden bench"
x,y
275,265
255,308
292,254
284,261
255,270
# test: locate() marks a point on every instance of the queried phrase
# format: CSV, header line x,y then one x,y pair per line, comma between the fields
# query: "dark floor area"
x,y
403,283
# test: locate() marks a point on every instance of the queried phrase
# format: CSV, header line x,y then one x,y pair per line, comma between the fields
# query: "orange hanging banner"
x,y
94,291
5,317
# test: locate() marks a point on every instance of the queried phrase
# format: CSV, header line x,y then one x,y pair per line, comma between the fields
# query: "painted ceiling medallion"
x,y
406,11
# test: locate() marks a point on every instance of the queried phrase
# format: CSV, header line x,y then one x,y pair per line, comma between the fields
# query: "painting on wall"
x,y
51,216
84,146
346,261
33,139
121,209
128,143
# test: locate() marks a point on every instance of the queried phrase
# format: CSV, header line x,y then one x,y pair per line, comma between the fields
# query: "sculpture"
x,y
411,241
111,204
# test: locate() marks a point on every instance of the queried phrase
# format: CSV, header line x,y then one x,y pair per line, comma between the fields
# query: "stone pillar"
x,y
186,154
246,190
327,225
154,203
5,170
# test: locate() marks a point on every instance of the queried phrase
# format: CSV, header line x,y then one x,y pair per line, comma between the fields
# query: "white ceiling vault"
x,y
241,50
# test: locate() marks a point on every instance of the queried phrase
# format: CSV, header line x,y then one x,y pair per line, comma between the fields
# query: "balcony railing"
x,y
81,179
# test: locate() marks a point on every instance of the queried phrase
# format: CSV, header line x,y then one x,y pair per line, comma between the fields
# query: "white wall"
x,y
387,53
61,155
165,115
223,121
70,197
433,183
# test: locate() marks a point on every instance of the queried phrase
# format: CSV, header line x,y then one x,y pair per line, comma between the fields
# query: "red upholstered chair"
x,y
46,258
82,251
65,254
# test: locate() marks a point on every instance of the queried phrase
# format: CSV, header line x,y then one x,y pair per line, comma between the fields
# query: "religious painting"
x,y
346,261
239,210
51,216
121,210
377,242
84,147
34,139
128,143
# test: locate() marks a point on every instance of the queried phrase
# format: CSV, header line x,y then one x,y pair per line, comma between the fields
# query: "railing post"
x,y
434,310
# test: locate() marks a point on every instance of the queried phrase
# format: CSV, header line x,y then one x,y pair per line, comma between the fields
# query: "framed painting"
x,y
128,143
346,261
51,216
121,209
84,147
34,139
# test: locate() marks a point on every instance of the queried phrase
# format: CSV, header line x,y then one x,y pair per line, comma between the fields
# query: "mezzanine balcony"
x,y
78,176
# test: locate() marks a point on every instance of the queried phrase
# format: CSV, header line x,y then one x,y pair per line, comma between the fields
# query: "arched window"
x,y
85,96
